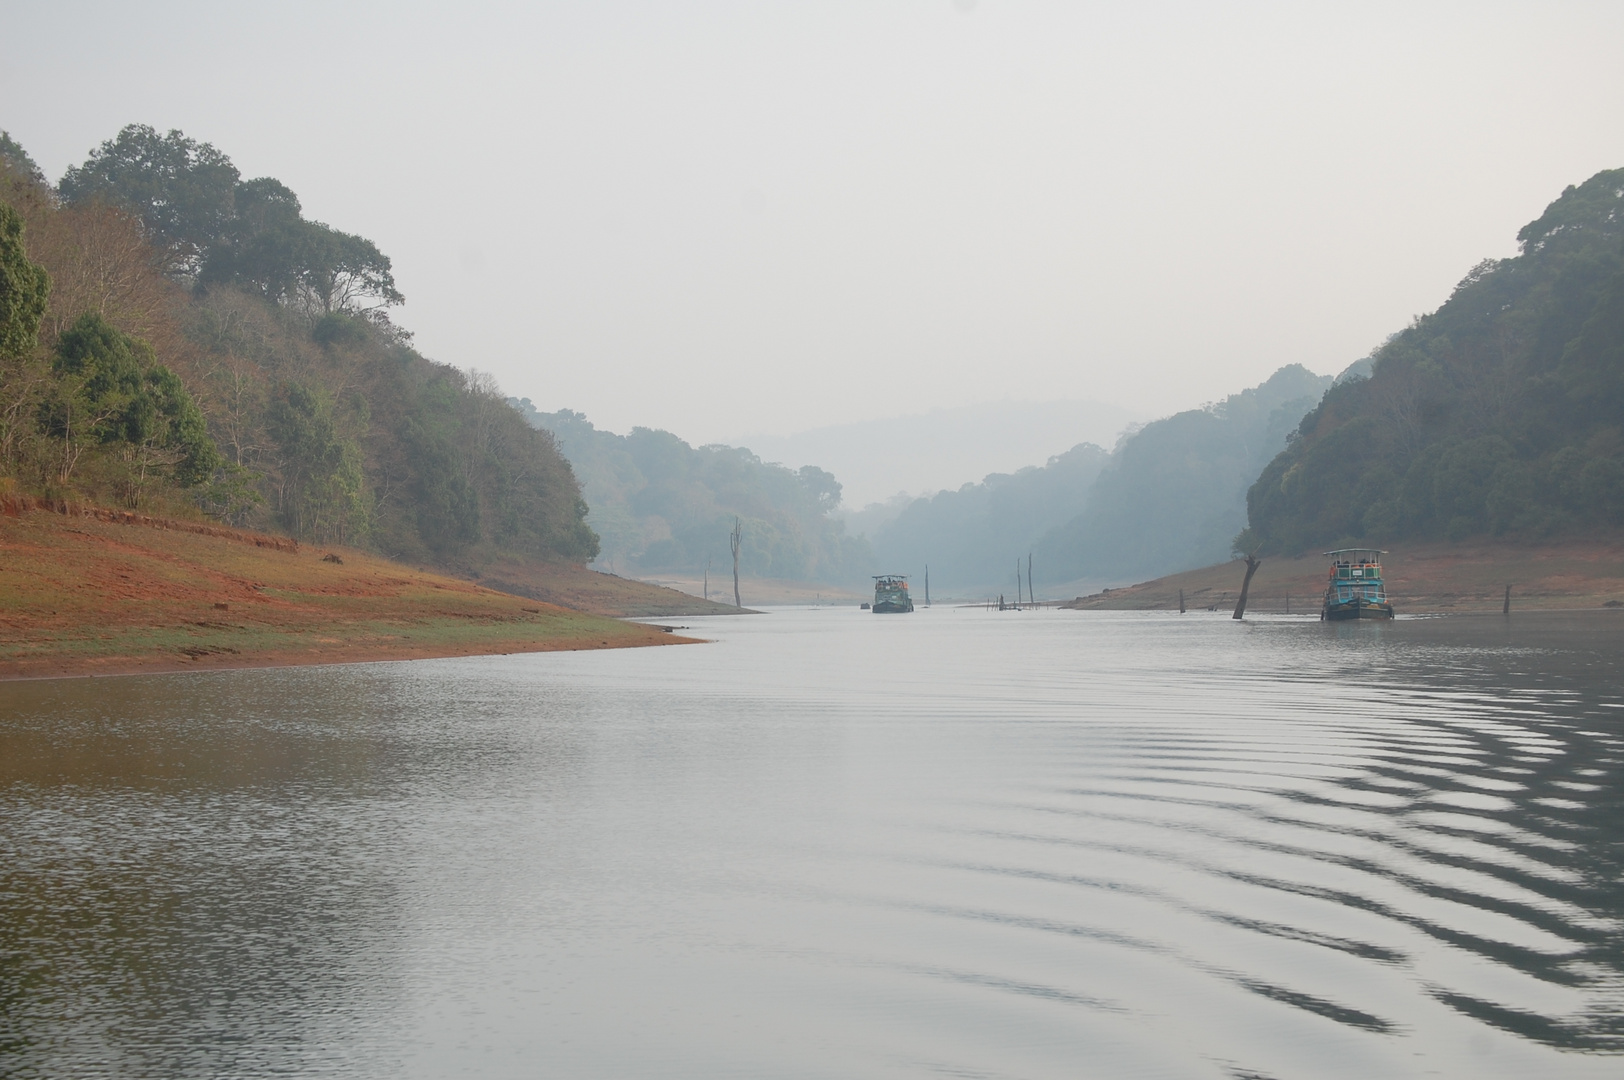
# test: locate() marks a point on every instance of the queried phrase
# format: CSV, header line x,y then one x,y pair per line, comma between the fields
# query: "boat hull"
x,y
891,607
1356,609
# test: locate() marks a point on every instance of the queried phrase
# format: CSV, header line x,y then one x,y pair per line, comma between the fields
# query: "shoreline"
x,y
166,665
1436,578
103,595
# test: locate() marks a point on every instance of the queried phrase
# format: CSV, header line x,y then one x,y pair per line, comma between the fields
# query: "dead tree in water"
x,y
1252,563
734,540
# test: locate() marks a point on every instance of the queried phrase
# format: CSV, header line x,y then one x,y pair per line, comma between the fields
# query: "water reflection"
x,y
1034,845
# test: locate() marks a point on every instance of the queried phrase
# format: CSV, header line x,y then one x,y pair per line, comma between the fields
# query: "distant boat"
x,y
1356,589
891,594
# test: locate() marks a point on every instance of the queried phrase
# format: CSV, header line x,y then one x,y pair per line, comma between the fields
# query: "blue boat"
x,y
1356,589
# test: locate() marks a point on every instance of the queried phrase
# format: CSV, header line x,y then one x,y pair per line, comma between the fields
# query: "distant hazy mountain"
x,y
1174,494
972,537
941,450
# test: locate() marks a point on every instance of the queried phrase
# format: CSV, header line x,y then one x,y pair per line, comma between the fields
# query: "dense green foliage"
x,y
971,538
209,347
1173,495
24,286
109,393
1500,413
662,505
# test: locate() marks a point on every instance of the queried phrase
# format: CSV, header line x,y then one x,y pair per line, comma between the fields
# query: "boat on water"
x,y
891,594
1355,589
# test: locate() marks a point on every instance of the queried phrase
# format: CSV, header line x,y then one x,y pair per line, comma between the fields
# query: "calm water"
x,y
952,844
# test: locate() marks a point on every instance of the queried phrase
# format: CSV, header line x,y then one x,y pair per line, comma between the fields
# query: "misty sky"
x,y
723,218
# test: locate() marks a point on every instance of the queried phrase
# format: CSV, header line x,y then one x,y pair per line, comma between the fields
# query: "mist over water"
x,y
957,843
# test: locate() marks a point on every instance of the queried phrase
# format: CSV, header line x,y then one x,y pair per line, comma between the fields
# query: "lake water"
x,y
953,844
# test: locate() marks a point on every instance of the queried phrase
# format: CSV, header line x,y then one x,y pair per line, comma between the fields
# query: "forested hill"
x,y
1500,413
663,506
176,337
1174,493
971,537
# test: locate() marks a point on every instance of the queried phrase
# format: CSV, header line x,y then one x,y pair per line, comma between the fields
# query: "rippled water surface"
x,y
957,843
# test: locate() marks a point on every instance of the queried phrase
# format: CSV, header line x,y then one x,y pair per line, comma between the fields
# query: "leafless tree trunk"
x,y
1252,563
734,540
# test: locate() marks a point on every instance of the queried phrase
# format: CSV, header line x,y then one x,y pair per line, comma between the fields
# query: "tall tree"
x,y
24,288
183,190
273,251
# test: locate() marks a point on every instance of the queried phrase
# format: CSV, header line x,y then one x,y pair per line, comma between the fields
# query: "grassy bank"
x,y
1424,577
82,595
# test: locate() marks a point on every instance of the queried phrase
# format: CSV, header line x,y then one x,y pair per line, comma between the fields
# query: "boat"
x,y
1355,589
891,594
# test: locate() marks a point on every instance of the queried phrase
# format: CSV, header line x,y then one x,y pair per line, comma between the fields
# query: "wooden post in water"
x,y
1506,610
1181,601
927,584
1252,563
1017,584
707,579
734,540
1031,596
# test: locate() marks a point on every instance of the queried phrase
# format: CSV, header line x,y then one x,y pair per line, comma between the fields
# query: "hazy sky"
x,y
730,217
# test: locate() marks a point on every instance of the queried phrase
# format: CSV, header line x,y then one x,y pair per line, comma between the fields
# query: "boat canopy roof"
x,y
890,577
1354,551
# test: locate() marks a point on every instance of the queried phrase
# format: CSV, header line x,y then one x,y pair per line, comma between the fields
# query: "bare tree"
x,y
1252,563
735,540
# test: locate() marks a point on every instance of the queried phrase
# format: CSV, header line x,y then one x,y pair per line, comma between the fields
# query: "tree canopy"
x,y
181,189
218,229
18,160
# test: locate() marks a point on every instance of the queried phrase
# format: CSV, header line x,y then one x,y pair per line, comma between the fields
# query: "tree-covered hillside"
x,y
1500,413
661,505
174,337
1174,493
971,537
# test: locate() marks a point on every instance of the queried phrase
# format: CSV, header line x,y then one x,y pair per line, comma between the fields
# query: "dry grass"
x,y
80,595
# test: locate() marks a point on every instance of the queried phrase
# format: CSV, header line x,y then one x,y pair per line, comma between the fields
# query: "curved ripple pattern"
x,y
829,845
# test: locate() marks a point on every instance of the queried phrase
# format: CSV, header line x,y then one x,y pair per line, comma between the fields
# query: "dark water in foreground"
x,y
955,844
